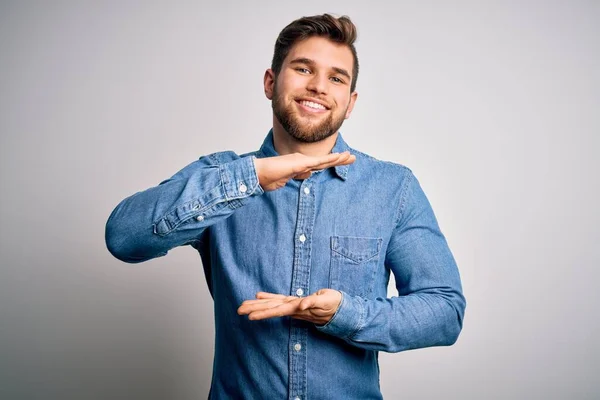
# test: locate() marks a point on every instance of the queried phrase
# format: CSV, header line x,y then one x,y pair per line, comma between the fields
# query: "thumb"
x,y
303,175
308,302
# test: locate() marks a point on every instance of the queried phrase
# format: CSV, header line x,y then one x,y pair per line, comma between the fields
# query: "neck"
x,y
284,143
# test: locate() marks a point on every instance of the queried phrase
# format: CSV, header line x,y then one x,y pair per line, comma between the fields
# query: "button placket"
x,y
300,286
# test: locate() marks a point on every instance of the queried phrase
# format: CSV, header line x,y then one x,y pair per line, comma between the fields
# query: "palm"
x,y
318,308
275,172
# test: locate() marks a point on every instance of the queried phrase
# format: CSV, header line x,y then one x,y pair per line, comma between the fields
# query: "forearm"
x,y
150,223
432,318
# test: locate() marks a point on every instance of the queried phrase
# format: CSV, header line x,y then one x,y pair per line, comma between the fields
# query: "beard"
x,y
306,132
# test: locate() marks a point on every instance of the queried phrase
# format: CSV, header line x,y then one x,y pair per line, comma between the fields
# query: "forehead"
x,y
323,52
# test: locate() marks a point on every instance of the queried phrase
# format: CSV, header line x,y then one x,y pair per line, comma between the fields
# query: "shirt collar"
x,y
268,149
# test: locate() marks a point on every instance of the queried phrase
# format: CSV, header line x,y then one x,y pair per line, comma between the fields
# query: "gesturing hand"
x,y
317,308
274,172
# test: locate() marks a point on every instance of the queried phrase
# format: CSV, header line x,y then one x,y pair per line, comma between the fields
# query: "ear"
x,y
353,98
269,83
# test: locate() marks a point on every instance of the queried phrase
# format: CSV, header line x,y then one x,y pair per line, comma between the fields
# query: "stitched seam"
x,y
356,261
379,242
360,323
404,195
223,181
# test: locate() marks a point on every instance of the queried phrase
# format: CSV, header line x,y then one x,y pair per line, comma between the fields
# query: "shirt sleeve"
x,y
429,308
148,224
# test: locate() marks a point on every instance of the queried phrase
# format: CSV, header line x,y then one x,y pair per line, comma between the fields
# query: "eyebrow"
x,y
308,61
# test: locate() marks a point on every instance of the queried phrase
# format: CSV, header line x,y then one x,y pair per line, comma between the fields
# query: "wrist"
x,y
258,165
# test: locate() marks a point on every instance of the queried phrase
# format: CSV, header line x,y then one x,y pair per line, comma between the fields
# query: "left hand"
x,y
317,308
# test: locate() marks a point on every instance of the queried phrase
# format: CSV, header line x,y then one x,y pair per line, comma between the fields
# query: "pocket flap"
x,y
357,249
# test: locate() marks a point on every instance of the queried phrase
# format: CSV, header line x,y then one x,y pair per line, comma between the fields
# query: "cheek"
x,y
294,84
284,92
342,101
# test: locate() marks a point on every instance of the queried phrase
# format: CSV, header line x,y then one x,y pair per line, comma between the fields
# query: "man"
x,y
298,239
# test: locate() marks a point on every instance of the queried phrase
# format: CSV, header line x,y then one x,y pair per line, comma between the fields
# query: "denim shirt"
x,y
344,228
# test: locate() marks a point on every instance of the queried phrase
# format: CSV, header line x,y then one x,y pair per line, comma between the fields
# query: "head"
x,y
312,78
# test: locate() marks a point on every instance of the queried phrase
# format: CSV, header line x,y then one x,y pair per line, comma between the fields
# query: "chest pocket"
x,y
353,264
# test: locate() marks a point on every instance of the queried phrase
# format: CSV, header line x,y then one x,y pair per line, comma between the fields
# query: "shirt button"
x,y
297,398
200,218
243,188
297,347
306,190
302,238
299,292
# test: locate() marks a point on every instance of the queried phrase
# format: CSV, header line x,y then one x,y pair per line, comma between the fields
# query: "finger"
x,y
258,305
275,297
253,301
315,162
266,295
343,159
285,309
272,300
327,165
349,160
329,158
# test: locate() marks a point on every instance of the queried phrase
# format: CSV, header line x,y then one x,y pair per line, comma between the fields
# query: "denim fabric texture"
x,y
345,228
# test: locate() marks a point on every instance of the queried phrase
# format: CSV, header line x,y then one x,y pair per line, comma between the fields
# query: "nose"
x,y
317,84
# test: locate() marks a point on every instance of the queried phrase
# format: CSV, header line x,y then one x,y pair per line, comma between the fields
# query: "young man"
x,y
298,239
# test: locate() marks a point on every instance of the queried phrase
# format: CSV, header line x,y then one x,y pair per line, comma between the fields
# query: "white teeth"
x,y
312,105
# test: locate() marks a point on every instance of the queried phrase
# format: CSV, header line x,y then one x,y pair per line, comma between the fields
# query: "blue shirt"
x,y
345,228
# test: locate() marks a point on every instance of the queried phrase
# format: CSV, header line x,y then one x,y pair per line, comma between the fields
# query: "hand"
x,y
274,172
317,308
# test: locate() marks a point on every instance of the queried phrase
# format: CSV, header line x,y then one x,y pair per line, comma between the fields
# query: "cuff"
x,y
239,180
347,319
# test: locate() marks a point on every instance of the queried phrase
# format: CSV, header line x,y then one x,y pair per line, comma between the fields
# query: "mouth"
x,y
313,106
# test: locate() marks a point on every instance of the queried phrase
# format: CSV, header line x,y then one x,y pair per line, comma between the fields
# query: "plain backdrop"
x,y
495,106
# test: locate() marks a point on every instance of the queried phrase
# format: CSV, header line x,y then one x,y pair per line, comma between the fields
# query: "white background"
x,y
493,105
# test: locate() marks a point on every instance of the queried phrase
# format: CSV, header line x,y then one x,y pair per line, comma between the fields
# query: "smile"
x,y
312,106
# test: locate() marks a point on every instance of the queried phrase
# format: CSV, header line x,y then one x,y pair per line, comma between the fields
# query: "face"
x,y
311,95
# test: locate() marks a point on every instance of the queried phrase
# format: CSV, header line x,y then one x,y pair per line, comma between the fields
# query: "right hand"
x,y
274,172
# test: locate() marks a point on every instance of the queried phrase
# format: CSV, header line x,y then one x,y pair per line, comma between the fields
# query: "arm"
x,y
148,224
430,307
